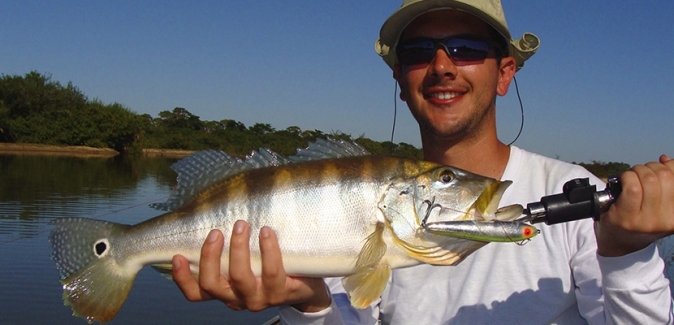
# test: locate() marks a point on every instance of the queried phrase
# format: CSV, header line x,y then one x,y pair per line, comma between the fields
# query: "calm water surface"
x,y
37,189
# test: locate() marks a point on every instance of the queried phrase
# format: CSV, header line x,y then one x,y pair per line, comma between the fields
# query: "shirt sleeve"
x,y
340,311
635,288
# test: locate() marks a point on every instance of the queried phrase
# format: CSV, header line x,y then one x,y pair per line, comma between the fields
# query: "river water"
x,y
36,189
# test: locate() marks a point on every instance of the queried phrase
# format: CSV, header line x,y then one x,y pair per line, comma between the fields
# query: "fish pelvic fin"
x,y
94,284
371,276
367,284
373,249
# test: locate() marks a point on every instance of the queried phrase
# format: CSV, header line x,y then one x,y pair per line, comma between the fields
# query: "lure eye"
x,y
527,232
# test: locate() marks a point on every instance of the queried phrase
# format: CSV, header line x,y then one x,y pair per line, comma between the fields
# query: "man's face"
x,y
452,99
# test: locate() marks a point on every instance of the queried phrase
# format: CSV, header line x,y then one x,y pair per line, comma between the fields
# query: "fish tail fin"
x,y
95,285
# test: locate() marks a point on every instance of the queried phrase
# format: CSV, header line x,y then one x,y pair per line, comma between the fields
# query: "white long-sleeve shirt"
x,y
556,278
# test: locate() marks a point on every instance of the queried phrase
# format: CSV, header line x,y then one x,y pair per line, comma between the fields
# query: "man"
x,y
451,59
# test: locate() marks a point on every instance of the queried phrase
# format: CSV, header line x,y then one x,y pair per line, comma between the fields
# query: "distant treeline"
x,y
35,109
605,169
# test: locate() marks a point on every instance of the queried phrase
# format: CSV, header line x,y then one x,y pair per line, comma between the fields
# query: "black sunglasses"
x,y
464,49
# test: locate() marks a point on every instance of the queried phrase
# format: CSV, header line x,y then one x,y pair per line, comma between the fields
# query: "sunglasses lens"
x,y
460,49
466,50
416,51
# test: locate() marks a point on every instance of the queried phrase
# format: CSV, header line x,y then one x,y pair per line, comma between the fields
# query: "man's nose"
x,y
442,65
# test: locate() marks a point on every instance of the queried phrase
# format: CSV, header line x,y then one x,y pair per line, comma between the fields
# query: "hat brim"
x,y
394,26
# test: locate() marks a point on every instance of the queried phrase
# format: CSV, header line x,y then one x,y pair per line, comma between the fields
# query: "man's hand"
x,y
643,213
244,290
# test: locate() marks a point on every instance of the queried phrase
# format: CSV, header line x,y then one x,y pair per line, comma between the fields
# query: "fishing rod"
x,y
578,200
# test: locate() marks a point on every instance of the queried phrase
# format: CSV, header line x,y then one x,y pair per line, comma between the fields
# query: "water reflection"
x,y
37,189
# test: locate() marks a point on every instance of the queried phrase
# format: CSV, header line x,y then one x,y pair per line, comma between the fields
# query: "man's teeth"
x,y
445,95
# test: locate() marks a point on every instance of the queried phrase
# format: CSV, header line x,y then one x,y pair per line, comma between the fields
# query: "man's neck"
x,y
485,156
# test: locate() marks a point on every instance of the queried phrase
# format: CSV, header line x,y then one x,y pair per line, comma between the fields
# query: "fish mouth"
x,y
486,207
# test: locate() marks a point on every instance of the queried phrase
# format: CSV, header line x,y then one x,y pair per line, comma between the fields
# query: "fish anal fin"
x,y
166,270
367,284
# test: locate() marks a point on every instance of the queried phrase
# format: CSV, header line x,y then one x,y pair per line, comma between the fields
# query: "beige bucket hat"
x,y
490,11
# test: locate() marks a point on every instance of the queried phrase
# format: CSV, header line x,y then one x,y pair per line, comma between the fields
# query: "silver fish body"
x,y
335,210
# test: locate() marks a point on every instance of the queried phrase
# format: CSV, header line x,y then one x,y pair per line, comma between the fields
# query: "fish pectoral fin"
x,y
367,284
373,249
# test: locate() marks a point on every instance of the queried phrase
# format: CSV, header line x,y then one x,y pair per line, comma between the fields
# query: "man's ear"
x,y
506,74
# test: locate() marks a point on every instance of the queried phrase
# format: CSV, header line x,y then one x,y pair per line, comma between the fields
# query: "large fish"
x,y
336,210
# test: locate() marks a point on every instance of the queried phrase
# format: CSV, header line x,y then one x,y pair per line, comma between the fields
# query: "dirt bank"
x,y
171,153
40,149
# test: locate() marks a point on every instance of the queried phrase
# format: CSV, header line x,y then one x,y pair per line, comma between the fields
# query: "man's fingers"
x,y
273,274
210,279
182,276
241,276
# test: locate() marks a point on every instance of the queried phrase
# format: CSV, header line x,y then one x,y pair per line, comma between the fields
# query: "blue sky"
x,y
601,86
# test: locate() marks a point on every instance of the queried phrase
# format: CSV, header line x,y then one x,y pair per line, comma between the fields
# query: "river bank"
x,y
81,151
41,149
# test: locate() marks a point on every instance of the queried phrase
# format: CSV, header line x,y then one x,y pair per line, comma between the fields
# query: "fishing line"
x,y
517,90
395,113
98,217
518,243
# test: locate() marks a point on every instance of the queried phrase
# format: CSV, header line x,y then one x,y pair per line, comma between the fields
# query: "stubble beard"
x,y
455,131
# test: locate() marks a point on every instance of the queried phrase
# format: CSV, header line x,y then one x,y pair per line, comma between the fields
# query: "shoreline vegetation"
x,y
81,151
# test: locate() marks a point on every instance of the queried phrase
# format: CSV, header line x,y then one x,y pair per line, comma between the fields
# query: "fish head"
x,y
447,193
444,193
439,194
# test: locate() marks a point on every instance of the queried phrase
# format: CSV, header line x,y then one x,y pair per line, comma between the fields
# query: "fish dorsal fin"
x,y
202,169
329,148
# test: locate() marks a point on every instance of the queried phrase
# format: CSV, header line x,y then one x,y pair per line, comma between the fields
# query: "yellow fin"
x,y
451,252
371,277
166,270
367,284
373,249
97,291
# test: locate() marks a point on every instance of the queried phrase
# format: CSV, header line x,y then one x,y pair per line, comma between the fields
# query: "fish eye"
x,y
446,176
